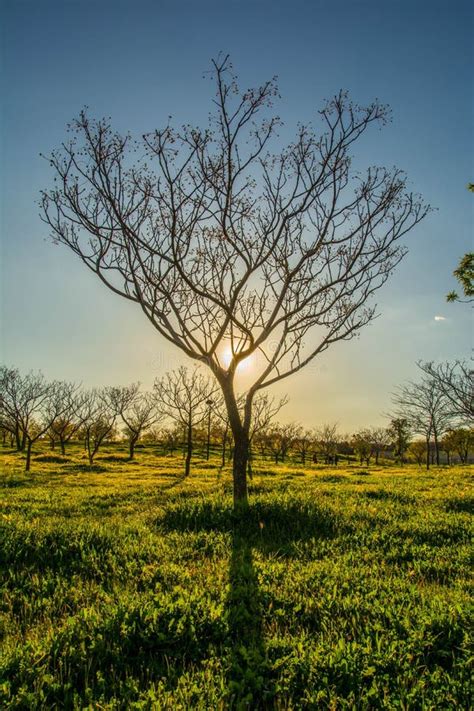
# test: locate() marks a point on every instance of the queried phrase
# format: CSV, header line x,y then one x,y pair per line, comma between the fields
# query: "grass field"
x,y
125,587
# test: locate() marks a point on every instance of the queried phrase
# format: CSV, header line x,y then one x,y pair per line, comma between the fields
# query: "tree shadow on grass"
x,y
268,527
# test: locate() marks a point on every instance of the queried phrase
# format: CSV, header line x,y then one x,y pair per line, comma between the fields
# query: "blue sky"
x,y
140,62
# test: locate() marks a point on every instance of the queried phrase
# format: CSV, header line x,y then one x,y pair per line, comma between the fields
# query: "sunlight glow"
x,y
225,358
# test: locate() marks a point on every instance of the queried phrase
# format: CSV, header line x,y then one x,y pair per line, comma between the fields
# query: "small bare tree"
x,y
67,425
361,442
29,405
328,438
380,439
426,410
183,396
303,443
456,382
226,246
12,405
98,419
137,410
280,439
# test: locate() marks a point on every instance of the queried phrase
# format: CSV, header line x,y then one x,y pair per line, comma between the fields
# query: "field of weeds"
x,y
125,586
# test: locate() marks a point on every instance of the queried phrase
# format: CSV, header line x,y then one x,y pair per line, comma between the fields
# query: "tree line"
x,y
185,406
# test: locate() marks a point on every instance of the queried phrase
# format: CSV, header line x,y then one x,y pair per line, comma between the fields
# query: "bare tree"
x,y
361,442
69,401
304,442
399,432
12,404
226,246
425,408
456,382
137,410
183,396
417,450
459,440
380,439
29,404
280,439
328,438
264,410
98,419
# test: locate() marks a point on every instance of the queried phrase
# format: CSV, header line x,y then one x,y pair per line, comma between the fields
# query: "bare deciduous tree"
x,y
328,438
280,439
137,410
304,442
29,405
225,245
399,432
361,442
380,438
426,409
183,396
98,419
456,382
69,422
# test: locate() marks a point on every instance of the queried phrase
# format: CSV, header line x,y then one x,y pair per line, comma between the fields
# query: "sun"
x,y
225,358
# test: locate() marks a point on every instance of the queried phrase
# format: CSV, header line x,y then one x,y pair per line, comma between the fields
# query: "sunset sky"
x,y
140,62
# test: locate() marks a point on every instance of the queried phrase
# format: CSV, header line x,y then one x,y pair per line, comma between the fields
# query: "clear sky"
x,y
141,61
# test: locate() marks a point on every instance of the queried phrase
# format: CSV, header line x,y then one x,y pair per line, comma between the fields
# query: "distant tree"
x,y
328,438
362,444
303,443
29,405
280,439
461,441
13,405
226,243
98,419
67,425
417,450
183,396
400,435
170,437
380,440
425,407
138,411
456,382
265,409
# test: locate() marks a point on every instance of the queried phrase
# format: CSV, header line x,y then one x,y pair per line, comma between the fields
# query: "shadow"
x,y
247,681
265,526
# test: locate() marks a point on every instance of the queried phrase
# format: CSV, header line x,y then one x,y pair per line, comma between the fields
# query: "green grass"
x,y
127,587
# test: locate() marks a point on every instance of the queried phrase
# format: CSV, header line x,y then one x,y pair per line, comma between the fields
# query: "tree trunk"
x,y
427,453
436,446
241,455
63,447
90,452
189,449
240,432
28,456
133,441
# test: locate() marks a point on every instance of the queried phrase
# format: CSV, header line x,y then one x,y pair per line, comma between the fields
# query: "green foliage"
x,y
129,587
464,273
